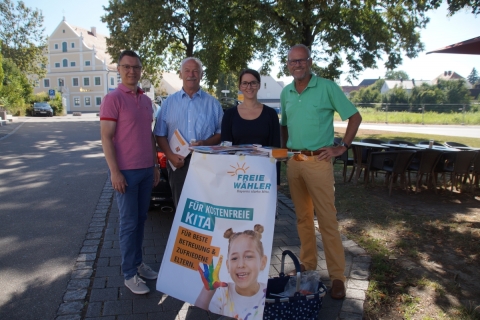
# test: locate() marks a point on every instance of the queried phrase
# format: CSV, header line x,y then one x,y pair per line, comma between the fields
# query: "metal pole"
x,y
386,114
423,114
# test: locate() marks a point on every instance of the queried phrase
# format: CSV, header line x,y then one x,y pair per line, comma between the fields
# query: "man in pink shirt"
x,y
126,116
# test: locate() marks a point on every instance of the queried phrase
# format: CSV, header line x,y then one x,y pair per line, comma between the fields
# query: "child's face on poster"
x,y
244,263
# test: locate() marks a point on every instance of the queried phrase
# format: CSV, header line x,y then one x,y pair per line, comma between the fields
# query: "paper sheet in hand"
x,y
178,145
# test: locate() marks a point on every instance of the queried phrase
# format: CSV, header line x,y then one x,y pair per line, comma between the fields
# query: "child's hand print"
x,y
210,275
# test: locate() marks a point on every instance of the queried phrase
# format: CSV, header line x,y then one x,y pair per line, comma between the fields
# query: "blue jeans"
x,y
133,207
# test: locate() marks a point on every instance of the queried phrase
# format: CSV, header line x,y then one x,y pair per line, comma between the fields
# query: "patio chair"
x,y
462,167
393,163
423,163
444,165
476,170
344,159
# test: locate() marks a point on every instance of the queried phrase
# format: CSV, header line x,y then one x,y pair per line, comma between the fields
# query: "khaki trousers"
x,y
312,186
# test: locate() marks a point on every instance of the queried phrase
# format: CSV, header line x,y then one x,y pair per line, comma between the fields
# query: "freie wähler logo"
x,y
248,182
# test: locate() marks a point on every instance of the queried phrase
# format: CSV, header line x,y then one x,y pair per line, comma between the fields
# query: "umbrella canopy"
x,y
471,46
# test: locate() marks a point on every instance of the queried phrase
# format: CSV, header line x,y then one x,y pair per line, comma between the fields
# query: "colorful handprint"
x,y
209,275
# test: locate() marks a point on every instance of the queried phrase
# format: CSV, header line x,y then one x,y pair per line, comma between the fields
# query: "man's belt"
x,y
306,152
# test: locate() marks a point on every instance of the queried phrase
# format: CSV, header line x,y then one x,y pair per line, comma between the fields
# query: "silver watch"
x,y
343,144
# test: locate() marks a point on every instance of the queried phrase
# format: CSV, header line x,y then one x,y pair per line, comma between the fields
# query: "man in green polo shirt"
x,y
308,106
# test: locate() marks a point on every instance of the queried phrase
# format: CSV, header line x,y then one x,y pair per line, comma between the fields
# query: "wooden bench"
x,y
76,113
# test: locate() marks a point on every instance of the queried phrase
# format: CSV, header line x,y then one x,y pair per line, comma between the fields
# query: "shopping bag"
x,y
298,307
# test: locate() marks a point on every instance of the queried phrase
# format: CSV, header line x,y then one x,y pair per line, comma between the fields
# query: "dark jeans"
x,y
133,207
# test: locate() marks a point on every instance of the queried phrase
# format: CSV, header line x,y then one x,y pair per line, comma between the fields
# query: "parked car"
x,y
161,194
43,109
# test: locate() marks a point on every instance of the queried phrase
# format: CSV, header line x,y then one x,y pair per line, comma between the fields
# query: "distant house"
x,y
269,92
407,85
367,82
169,84
348,89
79,67
451,75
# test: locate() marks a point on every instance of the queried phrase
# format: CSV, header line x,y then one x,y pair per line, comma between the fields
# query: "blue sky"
x,y
440,32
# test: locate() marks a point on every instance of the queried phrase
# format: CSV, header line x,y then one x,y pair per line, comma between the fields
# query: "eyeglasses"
x,y
298,61
253,84
128,67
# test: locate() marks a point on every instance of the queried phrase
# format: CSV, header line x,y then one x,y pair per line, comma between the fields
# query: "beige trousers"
x,y
312,186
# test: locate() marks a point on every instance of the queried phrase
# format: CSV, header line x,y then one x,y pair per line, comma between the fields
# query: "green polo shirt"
x,y
309,115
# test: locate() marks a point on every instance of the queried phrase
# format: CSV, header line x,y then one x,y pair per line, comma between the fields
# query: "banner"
x,y
218,253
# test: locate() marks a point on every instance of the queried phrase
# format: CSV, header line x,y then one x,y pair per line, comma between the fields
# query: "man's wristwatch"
x,y
343,144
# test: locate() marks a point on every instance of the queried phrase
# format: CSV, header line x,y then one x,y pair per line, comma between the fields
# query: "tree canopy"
x,y
221,33
23,37
396,75
227,34
473,76
456,5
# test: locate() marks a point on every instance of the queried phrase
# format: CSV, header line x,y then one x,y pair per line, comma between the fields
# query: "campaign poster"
x,y
218,253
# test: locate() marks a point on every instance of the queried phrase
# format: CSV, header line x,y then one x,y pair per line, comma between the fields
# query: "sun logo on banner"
x,y
237,169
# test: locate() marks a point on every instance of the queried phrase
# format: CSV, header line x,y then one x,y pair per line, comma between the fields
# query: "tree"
x,y
227,81
396,75
16,88
370,94
22,37
360,31
473,76
222,33
396,95
455,91
456,5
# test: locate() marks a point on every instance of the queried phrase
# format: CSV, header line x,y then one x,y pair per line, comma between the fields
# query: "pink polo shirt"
x,y
133,134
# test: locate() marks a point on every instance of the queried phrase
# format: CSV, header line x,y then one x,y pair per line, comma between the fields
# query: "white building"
x,y
407,85
270,91
79,67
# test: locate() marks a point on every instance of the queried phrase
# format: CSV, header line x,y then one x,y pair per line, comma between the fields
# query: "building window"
x,y
57,64
36,83
56,46
46,83
73,45
72,64
75,82
87,63
76,102
64,47
65,62
98,101
87,101
61,82
86,81
97,81
112,81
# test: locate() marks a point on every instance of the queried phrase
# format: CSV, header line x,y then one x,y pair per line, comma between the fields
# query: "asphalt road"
x,y
52,172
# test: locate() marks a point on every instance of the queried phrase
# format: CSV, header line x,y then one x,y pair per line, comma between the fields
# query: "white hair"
x,y
199,63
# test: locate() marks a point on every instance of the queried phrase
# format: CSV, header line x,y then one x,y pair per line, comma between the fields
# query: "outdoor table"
x,y
358,163
401,146
441,148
